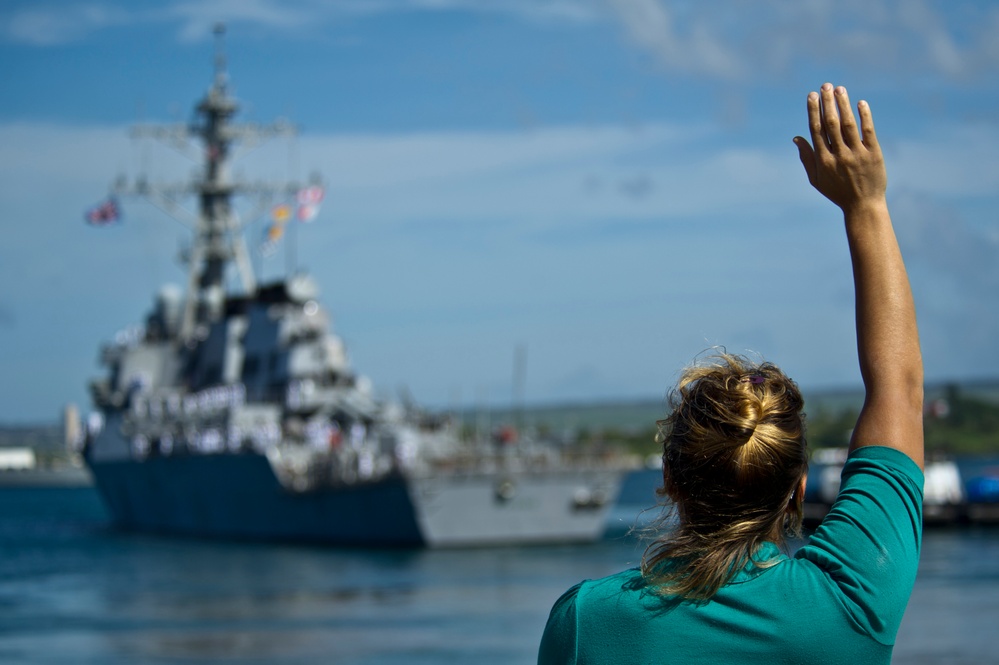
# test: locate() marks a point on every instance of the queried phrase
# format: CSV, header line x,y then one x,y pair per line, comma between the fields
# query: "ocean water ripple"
x,y
72,590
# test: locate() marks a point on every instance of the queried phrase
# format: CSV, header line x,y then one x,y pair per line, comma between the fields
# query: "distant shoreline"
x,y
621,413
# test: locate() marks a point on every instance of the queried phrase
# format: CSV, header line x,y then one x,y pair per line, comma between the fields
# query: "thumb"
x,y
807,157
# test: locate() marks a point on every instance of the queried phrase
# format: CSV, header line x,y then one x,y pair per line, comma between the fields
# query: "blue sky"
x,y
610,184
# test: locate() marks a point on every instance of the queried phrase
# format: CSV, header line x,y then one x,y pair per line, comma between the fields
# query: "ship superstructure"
x,y
235,412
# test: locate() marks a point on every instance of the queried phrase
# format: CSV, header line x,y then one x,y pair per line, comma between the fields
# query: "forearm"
x,y
887,335
844,162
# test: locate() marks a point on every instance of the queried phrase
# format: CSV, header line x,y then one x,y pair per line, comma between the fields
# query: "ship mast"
x,y
212,249
218,240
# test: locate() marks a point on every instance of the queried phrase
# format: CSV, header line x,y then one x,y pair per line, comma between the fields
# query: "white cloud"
x,y
535,10
199,17
726,41
549,176
702,49
545,175
473,242
48,26
953,161
729,39
44,153
929,30
391,159
52,24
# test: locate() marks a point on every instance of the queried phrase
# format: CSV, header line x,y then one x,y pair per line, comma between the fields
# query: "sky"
x,y
605,188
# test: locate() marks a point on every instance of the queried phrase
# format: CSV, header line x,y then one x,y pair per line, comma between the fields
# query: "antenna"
x,y
519,381
220,60
217,242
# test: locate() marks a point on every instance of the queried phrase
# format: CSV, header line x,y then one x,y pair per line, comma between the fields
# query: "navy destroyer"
x,y
234,413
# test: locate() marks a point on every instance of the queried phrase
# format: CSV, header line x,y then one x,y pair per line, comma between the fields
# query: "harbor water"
x,y
74,591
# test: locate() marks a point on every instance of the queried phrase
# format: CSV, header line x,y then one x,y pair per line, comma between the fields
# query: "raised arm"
x,y
844,163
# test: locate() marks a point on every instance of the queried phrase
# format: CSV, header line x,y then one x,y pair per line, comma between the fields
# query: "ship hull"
x,y
238,497
532,507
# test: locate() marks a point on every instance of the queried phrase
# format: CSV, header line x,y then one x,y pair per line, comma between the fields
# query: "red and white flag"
x,y
104,213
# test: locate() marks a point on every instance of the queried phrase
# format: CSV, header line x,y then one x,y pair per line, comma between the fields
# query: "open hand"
x,y
844,161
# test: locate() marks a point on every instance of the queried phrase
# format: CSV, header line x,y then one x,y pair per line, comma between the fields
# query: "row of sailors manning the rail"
x,y
319,434
355,452
208,403
212,406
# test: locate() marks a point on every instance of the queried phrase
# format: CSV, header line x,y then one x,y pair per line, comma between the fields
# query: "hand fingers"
x,y
867,125
847,124
807,157
819,143
830,119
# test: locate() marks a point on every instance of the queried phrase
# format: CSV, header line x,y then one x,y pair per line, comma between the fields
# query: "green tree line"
x,y
954,423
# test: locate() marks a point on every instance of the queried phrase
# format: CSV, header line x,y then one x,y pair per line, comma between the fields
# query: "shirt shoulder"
x,y
575,612
558,643
868,545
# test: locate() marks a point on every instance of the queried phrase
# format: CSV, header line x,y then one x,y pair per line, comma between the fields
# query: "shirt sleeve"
x,y
558,644
869,543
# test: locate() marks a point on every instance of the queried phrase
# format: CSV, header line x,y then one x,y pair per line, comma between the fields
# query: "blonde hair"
x,y
734,454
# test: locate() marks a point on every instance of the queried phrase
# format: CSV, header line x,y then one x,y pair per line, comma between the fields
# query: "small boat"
x,y
946,499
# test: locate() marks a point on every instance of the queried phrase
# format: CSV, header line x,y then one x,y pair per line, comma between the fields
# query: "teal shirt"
x,y
840,599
